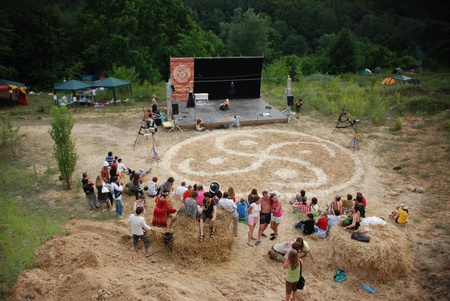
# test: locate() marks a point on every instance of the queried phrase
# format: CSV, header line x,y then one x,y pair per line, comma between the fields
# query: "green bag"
x,y
347,221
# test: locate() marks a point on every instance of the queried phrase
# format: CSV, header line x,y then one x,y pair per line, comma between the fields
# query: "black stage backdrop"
x,y
214,75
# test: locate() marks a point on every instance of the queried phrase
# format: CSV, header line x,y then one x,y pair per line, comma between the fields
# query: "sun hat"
x,y
405,207
105,163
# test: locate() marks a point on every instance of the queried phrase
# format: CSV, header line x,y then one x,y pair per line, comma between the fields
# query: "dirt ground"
x,y
95,261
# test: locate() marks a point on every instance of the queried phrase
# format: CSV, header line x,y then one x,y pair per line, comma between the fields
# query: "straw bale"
x,y
184,245
385,258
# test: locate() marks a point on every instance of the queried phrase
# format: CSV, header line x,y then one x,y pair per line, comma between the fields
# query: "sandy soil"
x,y
95,261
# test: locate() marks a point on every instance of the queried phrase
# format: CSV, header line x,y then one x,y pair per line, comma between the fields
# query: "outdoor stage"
x,y
251,111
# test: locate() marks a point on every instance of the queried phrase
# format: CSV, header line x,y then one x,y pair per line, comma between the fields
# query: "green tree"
x,y
344,53
64,148
249,36
8,134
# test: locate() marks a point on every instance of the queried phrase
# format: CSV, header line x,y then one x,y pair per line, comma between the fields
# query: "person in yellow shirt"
x,y
401,214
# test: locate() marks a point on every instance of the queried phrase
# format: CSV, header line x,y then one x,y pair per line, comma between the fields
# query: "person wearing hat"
x,y
105,172
401,214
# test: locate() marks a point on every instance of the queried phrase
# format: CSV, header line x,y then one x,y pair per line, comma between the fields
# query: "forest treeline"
x,y
45,41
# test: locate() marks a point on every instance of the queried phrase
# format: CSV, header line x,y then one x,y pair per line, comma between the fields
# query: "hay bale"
x,y
184,245
385,258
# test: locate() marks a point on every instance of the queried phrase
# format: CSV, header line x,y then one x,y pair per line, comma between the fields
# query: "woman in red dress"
x,y
162,209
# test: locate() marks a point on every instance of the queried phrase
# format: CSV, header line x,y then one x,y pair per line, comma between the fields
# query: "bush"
x,y
398,124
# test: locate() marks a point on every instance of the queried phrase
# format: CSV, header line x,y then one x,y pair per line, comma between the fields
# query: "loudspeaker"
x,y
175,109
290,101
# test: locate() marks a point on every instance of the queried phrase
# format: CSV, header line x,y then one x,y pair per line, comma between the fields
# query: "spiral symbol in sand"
x,y
283,160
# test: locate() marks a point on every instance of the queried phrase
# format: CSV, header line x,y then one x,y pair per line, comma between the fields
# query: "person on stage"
x,y
191,100
225,105
232,90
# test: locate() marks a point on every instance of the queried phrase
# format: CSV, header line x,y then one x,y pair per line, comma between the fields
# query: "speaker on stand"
x,y
290,100
175,110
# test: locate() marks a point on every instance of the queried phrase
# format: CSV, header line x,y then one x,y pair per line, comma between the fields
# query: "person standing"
x,y
105,172
253,216
122,169
162,210
292,265
138,224
232,90
277,213
191,100
298,106
117,188
264,216
154,105
102,193
88,188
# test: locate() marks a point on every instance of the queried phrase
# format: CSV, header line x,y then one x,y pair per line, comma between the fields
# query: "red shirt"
x,y
322,223
364,201
186,194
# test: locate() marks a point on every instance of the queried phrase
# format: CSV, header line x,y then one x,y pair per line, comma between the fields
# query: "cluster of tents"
x,y
391,80
78,85
13,90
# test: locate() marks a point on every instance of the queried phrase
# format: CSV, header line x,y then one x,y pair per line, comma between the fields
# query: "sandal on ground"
x,y
274,237
257,243
264,235
202,237
249,244
212,234
148,255
254,238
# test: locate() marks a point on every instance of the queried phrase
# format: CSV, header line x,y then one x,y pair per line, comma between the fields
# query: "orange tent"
x,y
389,81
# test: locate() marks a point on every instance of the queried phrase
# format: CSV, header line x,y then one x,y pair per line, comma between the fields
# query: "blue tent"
x,y
414,81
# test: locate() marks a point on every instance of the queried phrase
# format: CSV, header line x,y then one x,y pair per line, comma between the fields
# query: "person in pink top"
x,y
277,213
200,195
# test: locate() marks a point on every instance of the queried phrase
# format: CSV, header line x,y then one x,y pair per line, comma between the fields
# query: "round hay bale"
x,y
185,246
385,258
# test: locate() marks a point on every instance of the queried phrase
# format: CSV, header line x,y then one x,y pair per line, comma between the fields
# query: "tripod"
x,y
176,124
153,153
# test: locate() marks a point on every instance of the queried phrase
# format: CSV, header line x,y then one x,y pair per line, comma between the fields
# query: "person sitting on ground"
x,y
152,184
228,205
136,187
180,190
363,199
167,186
298,197
336,204
199,126
400,215
187,194
352,222
333,219
321,226
209,211
306,225
191,207
279,251
242,209
302,205
305,250
347,204
225,105
232,194
140,202
314,207
359,200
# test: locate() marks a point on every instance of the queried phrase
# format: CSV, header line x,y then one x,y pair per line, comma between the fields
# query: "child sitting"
x,y
306,225
242,209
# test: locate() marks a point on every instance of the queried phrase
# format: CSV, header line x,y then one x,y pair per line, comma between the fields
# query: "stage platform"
x,y
251,111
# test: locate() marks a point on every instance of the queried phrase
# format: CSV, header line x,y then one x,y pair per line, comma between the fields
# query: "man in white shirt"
x,y
138,224
181,189
228,205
